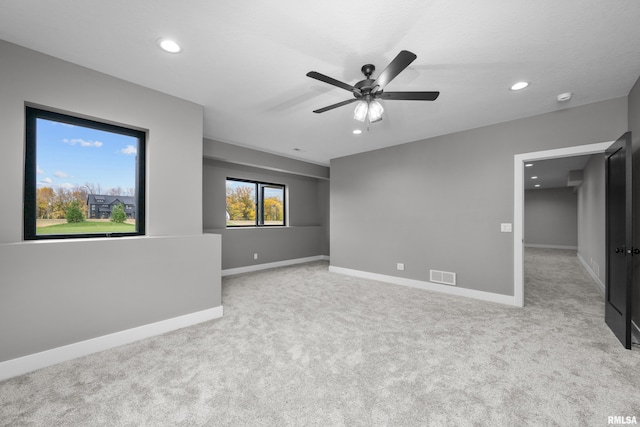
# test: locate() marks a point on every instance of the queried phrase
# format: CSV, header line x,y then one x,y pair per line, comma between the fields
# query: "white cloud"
x,y
46,181
130,149
39,171
66,185
60,174
82,142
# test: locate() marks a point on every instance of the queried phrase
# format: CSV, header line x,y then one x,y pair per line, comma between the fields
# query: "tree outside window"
x,y
254,204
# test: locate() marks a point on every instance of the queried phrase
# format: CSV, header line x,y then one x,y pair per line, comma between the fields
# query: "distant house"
x,y
100,206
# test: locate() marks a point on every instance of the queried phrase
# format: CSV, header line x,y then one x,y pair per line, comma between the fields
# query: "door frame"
x,y
518,203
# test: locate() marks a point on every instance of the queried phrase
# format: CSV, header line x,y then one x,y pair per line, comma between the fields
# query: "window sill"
x,y
276,227
257,227
83,239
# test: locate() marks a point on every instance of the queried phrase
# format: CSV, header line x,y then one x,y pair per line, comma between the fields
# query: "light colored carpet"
x,y
301,346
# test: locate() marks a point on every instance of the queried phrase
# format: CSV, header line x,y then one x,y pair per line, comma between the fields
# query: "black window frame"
x,y
32,114
259,205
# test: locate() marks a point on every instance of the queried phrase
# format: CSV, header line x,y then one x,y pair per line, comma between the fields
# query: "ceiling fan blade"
x,y
330,80
396,66
339,104
410,96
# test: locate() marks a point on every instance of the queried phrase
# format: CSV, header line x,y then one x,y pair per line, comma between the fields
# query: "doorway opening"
x,y
518,217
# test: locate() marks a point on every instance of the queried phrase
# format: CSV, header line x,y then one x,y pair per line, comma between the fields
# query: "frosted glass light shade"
x,y
360,113
375,111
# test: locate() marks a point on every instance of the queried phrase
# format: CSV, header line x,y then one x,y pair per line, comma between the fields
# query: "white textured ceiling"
x,y
553,173
245,61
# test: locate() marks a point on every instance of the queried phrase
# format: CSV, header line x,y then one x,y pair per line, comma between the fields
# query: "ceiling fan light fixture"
x,y
365,92
375,111
360,113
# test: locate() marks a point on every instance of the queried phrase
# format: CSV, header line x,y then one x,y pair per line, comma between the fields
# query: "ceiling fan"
x,y
366,92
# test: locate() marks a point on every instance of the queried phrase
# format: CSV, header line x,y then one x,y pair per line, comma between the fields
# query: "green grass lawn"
x,y
87,227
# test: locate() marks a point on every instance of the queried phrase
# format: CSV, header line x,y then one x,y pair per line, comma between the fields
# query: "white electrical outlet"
x,y
400,266
255,256
506,227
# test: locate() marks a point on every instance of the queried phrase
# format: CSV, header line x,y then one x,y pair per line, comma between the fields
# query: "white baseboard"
x,y
429,286
593,275
635,332
527,245
22,365
265,266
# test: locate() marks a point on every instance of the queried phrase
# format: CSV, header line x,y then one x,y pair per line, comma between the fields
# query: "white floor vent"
x,y
443,277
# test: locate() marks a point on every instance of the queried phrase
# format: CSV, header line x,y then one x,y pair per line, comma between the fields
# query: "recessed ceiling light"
x,y
528,165
564,97
537,185
519,85
534,177
357,131
169,46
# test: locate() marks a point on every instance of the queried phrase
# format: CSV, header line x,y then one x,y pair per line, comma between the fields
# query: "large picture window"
x,y
83,178
254,204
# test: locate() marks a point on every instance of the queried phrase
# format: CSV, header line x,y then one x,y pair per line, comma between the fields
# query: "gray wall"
x,y
84,289
260,159
634,127
551,217
438,203
591,217
46,299
323,207
308,207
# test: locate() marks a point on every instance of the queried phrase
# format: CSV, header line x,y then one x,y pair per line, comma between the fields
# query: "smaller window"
x,y
255,204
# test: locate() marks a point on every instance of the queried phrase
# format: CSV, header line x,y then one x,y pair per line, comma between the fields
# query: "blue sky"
x,y
70,155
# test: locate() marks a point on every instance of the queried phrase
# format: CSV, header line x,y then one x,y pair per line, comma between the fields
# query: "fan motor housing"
x,y
364,86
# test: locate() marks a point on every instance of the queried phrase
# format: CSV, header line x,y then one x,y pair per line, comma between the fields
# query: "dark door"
x,y
619,238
